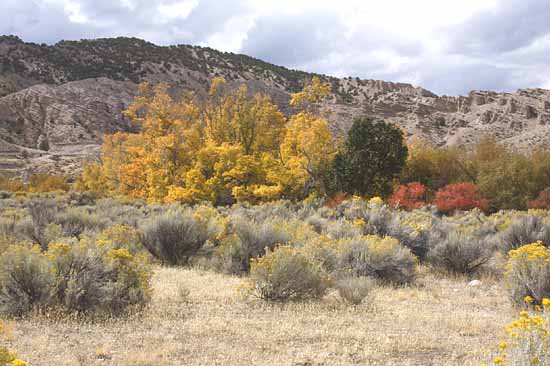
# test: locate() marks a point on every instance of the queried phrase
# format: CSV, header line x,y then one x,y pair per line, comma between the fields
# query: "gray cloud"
x,y
295,40
38,21
503,48
511,25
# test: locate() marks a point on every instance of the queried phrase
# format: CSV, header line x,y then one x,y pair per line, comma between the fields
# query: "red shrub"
x,y
409,196
542,201
459,197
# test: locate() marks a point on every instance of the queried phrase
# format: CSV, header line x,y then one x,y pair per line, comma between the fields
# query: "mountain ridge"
x,y
57,101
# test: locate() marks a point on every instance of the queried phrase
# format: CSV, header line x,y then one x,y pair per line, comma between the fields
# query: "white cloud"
x,y
180,9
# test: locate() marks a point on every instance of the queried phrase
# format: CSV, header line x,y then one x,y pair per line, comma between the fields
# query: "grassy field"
x,y
197,318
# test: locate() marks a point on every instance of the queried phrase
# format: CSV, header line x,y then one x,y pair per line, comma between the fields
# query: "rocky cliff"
x,y
57,102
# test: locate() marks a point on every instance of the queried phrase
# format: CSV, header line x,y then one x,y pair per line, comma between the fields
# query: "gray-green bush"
x,y
460,254
381,258
250,239
174,237
354,290
27,281
525,230
286,274
76,221
76,276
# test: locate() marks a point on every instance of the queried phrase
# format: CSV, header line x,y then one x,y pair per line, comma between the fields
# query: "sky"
x,y
447,46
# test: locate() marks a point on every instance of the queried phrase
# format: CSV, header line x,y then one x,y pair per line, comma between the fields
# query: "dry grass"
x,y
196,318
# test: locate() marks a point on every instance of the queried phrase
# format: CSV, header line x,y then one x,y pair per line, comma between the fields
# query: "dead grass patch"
x,y
196,318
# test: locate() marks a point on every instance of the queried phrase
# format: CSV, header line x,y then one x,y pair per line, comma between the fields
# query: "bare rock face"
x,y
57,102
48,121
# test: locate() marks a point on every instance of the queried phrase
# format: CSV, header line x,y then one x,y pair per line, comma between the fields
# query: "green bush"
x,y
528,273
459,253
174,237
381,258
285,274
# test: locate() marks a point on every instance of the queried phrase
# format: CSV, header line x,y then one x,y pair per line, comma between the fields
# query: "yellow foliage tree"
x,y
227,147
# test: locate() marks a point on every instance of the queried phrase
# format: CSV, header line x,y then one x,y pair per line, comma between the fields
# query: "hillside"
x,y
56,102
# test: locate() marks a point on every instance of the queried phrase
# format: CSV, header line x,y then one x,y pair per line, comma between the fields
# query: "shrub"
x,y
528,342
76,221
123,236
82,276
27,280
381,221
174,237
47,183
98,277
42,212
84,198
341,229
7,357
459,253
409,197
542,201
459,197
353,290
250,239
5,195
380,258
336,199
528,273
528,229
285,274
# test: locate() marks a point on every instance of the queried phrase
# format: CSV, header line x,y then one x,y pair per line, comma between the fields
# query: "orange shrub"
x,y
459,197
336,199
409,196
542,201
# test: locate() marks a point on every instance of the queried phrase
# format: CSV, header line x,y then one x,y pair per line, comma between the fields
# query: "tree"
x,y
224,148
436,167
308,146
373,155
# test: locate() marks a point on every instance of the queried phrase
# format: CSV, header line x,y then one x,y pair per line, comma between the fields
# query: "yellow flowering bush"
x,y
528,272
73,275
376,201
7,357
249,239
121,236
529,338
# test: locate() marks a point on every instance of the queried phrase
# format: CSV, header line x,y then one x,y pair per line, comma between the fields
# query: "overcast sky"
x,y
447,46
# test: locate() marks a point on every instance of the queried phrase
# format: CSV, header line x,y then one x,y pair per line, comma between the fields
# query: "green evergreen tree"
x,y
373,155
